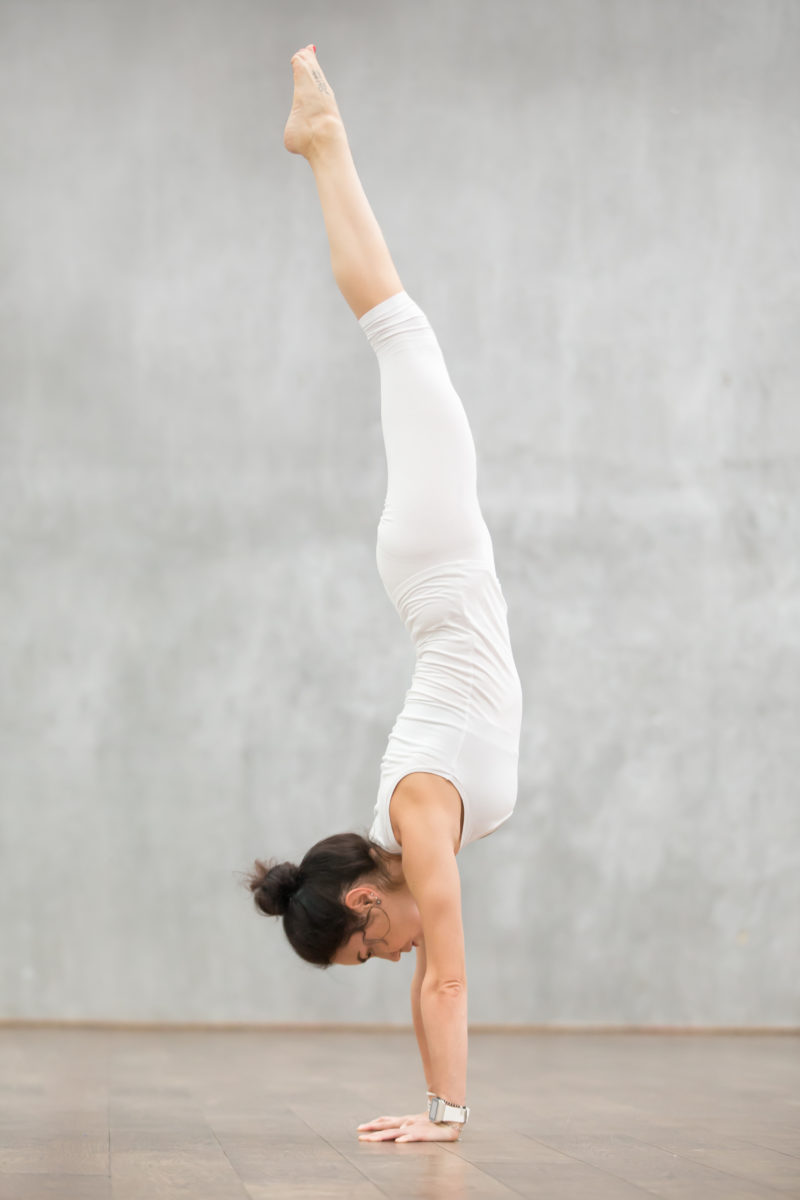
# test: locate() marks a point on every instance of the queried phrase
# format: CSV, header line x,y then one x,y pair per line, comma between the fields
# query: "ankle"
x,y
327,134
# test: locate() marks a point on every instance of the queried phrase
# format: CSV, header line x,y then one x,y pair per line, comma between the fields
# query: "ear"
x,y
359,897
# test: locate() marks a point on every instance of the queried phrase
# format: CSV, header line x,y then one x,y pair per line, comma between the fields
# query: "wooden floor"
x,y
97,1114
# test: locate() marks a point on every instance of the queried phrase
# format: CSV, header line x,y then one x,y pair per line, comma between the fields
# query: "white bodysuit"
x,y
462,713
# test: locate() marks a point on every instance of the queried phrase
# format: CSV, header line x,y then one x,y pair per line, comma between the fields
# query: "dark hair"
x,y
316,920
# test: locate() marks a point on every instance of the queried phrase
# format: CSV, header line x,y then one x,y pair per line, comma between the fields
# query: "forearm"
x,y
419,1028
444,1020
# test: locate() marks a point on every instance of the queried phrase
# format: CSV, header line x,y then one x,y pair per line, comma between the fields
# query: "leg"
x,y
362,265
431,514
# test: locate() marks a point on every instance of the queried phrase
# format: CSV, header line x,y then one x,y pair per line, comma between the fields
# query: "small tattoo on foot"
x,y
321,84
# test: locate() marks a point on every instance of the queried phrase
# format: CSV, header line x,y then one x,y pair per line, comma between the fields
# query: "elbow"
x,y
454,988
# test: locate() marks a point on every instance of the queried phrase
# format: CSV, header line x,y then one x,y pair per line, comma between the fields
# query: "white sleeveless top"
x,y
462,714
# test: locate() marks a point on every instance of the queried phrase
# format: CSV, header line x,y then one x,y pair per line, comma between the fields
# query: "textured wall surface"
x,y
596,203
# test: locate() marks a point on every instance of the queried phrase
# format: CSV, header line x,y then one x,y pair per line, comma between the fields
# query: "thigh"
x,y
432,513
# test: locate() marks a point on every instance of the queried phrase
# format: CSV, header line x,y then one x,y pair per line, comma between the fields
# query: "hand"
x,y
393,1122
414,1128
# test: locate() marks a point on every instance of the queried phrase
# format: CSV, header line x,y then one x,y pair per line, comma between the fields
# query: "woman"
x,y
449,774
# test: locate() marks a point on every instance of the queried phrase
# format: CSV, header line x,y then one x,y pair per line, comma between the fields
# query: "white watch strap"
x,y
439,1111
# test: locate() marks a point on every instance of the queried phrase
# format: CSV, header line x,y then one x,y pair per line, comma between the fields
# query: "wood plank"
x,y
54,1153
653,1169
53,1100
267,1152
145,1175
780,1137
314,1189
728,1153
533,1168
59,1187
162,1147
564,1178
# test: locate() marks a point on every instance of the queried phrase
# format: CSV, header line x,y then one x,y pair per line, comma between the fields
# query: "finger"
x,y
381,1123
423,1133
385,1135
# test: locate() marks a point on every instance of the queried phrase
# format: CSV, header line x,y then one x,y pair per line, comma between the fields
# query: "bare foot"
x,y
314,109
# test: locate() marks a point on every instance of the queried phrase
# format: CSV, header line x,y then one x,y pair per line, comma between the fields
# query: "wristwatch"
x,y
440,1111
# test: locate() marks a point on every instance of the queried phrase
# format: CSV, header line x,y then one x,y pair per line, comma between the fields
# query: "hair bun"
x,y
274,886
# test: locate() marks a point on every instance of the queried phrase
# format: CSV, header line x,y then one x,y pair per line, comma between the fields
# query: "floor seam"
x,y
336,1150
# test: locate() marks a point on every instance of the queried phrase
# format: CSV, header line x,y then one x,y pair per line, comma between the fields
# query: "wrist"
x,y
443,1112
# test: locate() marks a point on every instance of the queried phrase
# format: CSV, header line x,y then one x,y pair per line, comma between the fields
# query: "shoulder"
x,y
429,804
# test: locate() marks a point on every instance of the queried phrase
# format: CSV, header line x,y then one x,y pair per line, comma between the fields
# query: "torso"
x,y
437,791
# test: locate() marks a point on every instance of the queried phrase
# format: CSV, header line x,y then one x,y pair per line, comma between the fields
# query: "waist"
x,y
424,725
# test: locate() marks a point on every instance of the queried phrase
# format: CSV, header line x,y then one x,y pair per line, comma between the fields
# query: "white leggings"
x,y
462,713
431,515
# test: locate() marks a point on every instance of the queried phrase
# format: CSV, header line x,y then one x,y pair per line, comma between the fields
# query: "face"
x,y
394,926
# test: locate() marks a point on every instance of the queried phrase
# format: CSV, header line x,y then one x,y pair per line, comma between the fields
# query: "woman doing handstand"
x,y
449,774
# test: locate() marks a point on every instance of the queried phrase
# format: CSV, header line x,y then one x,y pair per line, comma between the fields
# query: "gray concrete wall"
x,y
596,202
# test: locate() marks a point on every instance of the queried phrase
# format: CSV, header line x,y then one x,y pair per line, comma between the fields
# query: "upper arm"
x,y
431,872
